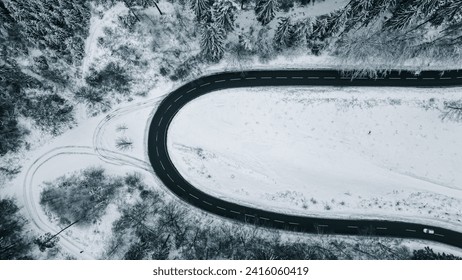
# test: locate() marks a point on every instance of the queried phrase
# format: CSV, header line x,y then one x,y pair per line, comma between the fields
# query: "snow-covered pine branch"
x,y
224,14
201,8
283,37
265,10
212,39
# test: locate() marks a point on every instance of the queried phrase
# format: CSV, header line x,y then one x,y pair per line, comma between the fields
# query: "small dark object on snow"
x,y
369,132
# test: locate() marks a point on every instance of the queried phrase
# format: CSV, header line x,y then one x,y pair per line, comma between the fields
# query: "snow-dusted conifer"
x,y
212,40
265,10
301,30
224,13
283,37
201,8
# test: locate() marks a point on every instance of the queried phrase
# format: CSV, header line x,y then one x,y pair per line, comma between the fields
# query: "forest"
x,y
153,226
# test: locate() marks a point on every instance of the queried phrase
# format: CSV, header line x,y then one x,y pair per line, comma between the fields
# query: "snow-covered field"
x,y
350,152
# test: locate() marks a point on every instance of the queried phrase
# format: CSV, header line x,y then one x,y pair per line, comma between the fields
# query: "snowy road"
x,y
166,171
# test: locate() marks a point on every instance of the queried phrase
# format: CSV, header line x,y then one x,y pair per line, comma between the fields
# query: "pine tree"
x,y
224,13
50,24
413,12
301,31
201,8
265,10
283,37
212,39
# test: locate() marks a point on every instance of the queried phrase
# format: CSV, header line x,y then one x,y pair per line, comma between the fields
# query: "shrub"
x,y
112,77
81,197
51,113
95,100
185,69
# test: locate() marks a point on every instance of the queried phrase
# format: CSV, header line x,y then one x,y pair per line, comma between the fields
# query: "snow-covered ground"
x,y
349,152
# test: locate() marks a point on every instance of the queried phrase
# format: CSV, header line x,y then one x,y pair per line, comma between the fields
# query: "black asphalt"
x,y
169,175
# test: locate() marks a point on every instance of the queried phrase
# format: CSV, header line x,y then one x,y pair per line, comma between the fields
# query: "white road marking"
x,y
235,79
219,207
235,212
411,230
168,175
193,196
329,78
459,77
206,84
297,77
162,165
169,107
445,78
279,221
440,235
352,227
249,215
264,218
428,78
178,98
394,78
206,202
313,78
157,150
190,90
181,188
281,78
410,78
382,228
157,135
251,78
220,81
266,78
292,223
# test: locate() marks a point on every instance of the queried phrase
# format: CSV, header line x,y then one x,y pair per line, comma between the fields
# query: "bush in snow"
x,y
113,77
51,113
81,197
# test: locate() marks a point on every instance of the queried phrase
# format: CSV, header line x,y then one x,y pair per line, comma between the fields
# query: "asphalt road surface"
x,y
169,175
